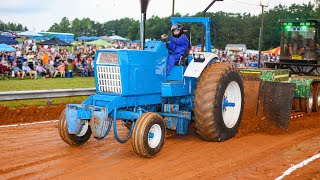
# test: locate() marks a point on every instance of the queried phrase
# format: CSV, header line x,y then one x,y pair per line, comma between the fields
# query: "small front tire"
x,y
148,135
72,139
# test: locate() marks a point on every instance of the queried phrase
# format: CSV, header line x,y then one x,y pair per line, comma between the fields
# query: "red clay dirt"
x,y
29,114
259,151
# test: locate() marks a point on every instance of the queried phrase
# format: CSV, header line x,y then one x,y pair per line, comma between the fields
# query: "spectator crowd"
x,y
43,61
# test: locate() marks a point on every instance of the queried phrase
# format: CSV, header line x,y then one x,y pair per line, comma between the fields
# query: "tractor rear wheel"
x,y
148,135
296,104
306,104
316,97
218,102
72,139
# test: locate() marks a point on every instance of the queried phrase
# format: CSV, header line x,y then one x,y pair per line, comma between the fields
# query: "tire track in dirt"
x,y
259,151
247,157
55,150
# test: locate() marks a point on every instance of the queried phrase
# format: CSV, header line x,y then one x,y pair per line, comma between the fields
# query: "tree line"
x,y
226,28
11,27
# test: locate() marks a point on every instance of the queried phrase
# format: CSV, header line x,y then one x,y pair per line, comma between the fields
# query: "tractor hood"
x,y
131,72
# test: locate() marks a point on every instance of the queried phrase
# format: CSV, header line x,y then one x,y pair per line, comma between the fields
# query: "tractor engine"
x,y
131,72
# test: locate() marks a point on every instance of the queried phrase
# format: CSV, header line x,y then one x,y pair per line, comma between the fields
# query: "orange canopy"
x,y
273,51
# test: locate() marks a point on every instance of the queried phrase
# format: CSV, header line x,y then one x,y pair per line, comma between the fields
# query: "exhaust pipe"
x,y
144,6
142,30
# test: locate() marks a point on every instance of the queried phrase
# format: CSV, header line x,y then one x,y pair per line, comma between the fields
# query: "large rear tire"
x,y
219,83
316,97
307,103
148,135
296,104
72,139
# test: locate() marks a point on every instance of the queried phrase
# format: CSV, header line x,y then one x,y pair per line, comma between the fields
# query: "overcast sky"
x,y
39,15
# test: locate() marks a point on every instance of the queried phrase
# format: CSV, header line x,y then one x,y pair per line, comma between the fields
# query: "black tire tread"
x,y
204,101
316,87
304,103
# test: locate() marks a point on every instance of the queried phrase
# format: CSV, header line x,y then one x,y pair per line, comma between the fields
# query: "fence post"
x,y
49,101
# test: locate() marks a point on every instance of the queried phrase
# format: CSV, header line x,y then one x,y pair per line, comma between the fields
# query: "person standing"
x,y
30,59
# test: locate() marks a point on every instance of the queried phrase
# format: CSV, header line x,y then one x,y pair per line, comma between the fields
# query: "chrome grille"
x,y
109,79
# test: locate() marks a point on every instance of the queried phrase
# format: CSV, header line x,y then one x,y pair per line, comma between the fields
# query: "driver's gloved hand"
x,y
164,37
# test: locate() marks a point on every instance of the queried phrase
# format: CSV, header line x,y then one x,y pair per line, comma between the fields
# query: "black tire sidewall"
x,y
311,94
79,140
316,91
220,125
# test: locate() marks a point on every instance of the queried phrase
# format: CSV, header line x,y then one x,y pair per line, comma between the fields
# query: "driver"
x,y
177,45
296,47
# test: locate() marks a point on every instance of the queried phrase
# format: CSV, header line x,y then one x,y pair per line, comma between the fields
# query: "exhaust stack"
x,y
144,6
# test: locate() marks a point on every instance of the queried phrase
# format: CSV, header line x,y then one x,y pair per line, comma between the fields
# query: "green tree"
x,y
54,28
76,27
225,27
65,25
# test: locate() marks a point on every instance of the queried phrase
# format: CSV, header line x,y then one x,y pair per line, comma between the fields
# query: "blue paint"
x,y
134,82
176,73
204,20
226,104
182,127
151,135
115,132
74,117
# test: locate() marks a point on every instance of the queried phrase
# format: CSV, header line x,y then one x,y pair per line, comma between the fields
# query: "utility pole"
x,y
261,31
173,7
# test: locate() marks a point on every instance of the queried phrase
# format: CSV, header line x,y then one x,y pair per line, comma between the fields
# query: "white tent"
x,y
29,33
106,38
118,38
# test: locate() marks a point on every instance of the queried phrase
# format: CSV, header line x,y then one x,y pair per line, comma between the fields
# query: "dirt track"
x,y
259,151
36,151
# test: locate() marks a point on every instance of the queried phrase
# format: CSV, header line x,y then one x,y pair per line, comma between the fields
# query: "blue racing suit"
x,y
177,47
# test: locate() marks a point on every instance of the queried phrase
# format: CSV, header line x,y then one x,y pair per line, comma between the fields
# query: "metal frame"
x,y
39,94
204,20
296,68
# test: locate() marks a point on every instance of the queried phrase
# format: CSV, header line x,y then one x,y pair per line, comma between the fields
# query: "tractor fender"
x,y
195,67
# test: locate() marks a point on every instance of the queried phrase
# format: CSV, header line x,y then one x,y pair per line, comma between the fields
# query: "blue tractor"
x,y
132,86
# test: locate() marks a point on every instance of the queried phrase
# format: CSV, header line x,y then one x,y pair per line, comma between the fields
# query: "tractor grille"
x,y
109,79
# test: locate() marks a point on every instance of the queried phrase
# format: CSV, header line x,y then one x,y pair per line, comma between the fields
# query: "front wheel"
x,y
148,135
73,139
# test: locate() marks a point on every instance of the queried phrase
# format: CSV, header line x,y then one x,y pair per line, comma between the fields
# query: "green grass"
x,y
43,102
45,84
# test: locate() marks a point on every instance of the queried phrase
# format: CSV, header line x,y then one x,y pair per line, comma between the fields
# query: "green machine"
x,y
299,64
